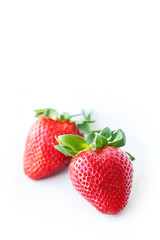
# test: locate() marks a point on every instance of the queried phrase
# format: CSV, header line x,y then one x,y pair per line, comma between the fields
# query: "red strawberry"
x,y
100,171
41,159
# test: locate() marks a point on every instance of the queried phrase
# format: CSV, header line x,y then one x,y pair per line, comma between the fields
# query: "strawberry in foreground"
x,y
41,159
100,171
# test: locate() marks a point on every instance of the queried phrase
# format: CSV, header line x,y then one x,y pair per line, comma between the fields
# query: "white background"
x,y
71,55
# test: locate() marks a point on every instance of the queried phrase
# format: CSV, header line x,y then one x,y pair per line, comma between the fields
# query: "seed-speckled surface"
x,y
41,159
103,177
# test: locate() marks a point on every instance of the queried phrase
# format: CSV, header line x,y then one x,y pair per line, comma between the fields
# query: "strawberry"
x,y
100,171
41,159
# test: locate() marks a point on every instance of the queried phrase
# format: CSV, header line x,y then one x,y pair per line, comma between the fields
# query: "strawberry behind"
x,y
41,159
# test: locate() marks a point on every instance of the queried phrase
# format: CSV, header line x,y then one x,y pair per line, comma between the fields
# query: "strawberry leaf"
x,y
87,117
84,128
72,116
70,151
61,149
66,150
73,145
117,139
90,138
83,124
84,121
76,143
106,132
48,112
131,157
99,141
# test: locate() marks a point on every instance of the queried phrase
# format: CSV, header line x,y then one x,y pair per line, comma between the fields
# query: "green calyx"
x,y
82,123
52,113
71,145
47,112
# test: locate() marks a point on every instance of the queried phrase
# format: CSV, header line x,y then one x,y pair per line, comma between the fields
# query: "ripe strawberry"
x,y
100,171
41,159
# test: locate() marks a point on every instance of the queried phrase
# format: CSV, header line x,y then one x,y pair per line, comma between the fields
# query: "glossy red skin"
x,y
41,159
103,177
